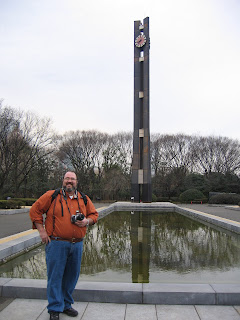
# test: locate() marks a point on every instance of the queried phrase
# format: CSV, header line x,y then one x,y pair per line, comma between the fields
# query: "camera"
x,y
78,216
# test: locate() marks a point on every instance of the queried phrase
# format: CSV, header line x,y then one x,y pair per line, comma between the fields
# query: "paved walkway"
x,y
29,309
227,212
34,309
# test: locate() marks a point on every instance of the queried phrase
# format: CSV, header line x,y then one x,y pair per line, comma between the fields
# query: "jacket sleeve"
x,y
40,207
91,211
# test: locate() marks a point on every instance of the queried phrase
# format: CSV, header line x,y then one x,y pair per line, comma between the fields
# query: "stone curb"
x,y
131,293
17,246
227,224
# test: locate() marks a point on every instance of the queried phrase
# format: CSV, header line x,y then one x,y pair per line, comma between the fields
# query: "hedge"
x,y
26,201
11,204
225,198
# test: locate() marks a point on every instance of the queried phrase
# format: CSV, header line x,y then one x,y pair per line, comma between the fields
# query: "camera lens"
x,y
80,217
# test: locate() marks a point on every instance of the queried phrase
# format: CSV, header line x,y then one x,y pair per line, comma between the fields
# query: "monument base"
x,y
142,192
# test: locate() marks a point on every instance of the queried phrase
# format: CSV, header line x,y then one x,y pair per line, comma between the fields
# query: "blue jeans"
x,y
63,269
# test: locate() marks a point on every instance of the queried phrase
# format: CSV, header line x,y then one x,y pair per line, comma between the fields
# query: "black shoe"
x,y
71,312
54,315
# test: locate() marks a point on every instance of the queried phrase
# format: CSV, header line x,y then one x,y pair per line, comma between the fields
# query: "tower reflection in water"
x,y
141,242
146,247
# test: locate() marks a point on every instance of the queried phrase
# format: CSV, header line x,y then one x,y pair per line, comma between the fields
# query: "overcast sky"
x,y
72,61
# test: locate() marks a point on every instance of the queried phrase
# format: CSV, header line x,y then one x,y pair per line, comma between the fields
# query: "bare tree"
x,y
216,154
170,151
25,139
118,152
8,123
82,151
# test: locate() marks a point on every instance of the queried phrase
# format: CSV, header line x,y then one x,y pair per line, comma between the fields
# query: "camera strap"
x,y
54,215
64,196
76,198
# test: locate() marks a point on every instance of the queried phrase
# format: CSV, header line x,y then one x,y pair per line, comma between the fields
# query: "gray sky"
x,y
72,61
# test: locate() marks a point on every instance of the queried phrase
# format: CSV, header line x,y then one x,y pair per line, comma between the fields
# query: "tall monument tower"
x,y
141,167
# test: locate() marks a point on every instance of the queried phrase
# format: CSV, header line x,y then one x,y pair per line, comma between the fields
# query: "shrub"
x,y
11,204
225,198
191,195
26,201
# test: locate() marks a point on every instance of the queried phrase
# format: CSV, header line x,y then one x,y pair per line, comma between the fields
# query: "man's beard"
x,y
69,189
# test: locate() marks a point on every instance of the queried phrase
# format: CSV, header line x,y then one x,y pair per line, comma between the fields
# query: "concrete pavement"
x,y
34,309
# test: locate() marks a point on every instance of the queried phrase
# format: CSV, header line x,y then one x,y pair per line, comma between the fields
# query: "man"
x,y
63,234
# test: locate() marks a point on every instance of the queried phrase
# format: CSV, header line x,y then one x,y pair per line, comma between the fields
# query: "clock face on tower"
x,y
140,40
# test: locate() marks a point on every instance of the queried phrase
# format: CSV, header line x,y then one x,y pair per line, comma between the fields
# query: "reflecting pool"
x,y
146,247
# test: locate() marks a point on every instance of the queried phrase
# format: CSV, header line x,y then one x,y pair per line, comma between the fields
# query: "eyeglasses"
x,y
70,179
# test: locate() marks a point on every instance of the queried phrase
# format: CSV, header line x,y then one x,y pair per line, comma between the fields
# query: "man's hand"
x,y
83,223
43,233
